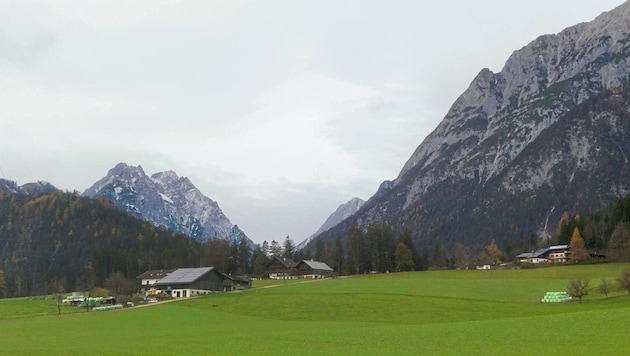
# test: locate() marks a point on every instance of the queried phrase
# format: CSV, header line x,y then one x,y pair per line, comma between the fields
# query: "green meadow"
x,y
436,312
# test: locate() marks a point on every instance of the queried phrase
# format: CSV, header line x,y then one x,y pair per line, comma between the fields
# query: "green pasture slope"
x,y
437,312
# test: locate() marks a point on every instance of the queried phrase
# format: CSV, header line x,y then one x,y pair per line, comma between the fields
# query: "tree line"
x,y
376,249
606,231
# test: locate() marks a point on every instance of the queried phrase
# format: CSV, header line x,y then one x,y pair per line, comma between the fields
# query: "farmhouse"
x,y
285,268
149,278
188,282
281,268
551,254
313,269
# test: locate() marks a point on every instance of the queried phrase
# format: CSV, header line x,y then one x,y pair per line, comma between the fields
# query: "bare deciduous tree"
x,y
623,280
578,288
605,287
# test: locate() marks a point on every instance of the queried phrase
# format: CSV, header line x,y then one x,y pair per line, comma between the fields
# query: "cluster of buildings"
x,y
552,254
286,268
189,282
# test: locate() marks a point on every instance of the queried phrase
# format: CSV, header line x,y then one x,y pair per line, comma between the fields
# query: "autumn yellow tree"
x,y
576,246
493,253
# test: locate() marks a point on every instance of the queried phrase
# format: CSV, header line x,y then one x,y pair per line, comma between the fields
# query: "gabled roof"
x,y
156,273
543,251
286,261
184,275
317,265
243,279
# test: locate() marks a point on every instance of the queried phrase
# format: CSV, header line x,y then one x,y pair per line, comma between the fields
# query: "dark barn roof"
x,y
286,261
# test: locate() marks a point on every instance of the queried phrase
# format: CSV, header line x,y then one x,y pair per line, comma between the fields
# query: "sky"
x,y
279,110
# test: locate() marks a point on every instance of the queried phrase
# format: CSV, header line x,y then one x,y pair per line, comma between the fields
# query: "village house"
x,y
281,268
148,278
285,268
313,269
551,254
187,282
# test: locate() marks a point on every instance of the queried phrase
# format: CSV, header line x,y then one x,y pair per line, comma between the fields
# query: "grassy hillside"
x,y
439,312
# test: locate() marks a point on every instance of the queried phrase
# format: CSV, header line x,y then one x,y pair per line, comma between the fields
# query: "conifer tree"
x,y
576,246
404,258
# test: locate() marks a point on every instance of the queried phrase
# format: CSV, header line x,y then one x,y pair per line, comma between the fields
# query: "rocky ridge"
x,y
548,133
167,201
342,212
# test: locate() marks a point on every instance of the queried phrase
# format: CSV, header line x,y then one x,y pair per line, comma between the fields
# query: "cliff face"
x,y
548,133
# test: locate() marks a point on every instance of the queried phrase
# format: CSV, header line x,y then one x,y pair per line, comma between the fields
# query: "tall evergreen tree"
x,y
288,248
275,249
265,248
619,243
356,250
404,259
424,259
340,255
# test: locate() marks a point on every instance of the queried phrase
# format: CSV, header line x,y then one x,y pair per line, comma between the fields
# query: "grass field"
x,y
437,312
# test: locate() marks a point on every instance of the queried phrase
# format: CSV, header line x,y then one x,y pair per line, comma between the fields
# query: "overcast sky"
x,y
278,110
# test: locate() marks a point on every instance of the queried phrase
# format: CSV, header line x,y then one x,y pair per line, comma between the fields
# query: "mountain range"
x,y
167,201
549,133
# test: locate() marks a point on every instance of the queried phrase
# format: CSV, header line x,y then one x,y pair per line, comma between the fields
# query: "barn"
x,y
313,269
189,282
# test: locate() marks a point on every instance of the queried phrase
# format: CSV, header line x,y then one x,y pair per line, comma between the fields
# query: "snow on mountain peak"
x,y
167,201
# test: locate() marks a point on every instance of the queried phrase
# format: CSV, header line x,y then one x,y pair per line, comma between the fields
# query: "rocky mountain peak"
x,y
167,201
590,56
342,212
548,133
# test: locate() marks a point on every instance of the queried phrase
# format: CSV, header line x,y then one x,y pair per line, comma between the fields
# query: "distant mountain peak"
x,y
35,188
342,212
167,201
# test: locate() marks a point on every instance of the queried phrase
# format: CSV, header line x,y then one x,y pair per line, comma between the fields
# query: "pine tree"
x,y
275,250
265,248
3,284
404,258
289,248
356,250
619,243
260,265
